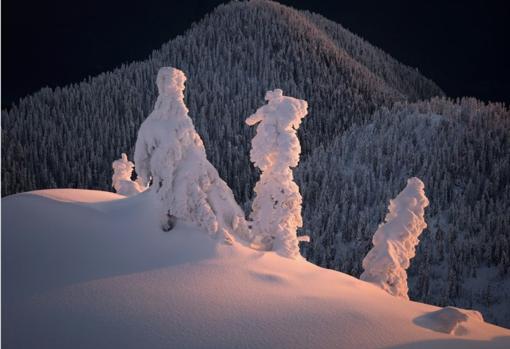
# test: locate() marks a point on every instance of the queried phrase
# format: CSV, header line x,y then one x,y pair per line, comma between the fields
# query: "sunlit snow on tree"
x,y
121,179
276,209
170,155
395,240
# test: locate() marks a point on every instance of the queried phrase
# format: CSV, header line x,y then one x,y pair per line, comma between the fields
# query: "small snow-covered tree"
x,y
395,241
121,179
170,155
276,209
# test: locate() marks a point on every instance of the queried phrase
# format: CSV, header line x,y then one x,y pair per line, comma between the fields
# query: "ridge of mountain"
x,y
232,57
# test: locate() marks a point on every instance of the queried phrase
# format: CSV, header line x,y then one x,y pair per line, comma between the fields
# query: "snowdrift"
x,y
89,269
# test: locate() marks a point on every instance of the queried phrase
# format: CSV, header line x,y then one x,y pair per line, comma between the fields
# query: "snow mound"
x,y
80,274
449,320
395,241
170,155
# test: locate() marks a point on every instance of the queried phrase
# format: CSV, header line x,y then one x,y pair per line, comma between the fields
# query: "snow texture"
x,y
170,154
276,209
395,241
91,269
121,179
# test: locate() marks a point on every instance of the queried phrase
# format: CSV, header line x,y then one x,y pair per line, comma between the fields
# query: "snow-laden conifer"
x,y
395,240
171,156
276,209
121,179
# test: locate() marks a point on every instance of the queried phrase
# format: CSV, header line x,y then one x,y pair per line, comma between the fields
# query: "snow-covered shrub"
x,y
276,209
170,155
395,241
121,179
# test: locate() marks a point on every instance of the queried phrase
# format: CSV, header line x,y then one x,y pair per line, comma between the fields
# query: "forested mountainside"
x,y
357,148
461,151
68,137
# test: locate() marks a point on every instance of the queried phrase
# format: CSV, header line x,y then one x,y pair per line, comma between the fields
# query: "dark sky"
x,y
463,46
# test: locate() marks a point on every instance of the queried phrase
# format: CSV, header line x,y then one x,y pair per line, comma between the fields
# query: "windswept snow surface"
x,y
83,274
74,195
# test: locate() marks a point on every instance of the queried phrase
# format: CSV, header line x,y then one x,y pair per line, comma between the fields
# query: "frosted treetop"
x,y
170,102
170,82
276,146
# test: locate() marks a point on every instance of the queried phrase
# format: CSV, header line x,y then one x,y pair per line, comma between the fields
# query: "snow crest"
x,y
276,209
395,241
170,155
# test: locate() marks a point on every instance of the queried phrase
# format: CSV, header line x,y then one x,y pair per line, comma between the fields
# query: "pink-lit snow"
x,y
86,269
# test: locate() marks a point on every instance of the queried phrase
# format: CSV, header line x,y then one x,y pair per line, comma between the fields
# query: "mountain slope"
x,y
461,151
81,274
68,137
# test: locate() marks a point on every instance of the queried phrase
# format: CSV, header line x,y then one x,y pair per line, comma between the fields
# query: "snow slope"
x,y
83,269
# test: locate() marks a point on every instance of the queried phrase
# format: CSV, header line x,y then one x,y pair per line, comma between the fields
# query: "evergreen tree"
x,y
276,209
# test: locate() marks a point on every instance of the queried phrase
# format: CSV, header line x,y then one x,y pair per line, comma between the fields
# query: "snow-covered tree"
x,y
276,209
395,241
121,179
170,155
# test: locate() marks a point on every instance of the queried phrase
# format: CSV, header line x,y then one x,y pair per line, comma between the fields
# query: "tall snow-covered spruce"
x,y
170,155
395,241
276,209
